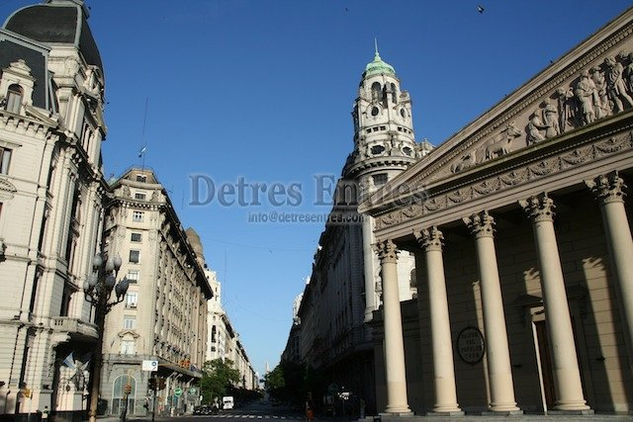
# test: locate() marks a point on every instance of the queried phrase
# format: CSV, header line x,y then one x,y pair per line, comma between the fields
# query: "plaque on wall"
x,y
471,345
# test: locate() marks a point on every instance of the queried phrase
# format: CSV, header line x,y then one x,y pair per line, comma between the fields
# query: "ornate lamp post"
x,y
97,290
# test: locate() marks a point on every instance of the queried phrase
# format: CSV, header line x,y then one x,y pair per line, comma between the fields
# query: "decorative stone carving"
x,y
480,224
615,85
502,143
585,91
7,190
515,177
536,129
387,251
551,119
430,239
466,161
607,188
539,208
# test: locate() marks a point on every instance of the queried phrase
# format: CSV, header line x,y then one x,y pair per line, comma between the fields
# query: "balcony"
x,y
74,326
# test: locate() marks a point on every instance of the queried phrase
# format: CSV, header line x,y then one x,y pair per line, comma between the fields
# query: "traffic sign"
x,y
178,392
150,365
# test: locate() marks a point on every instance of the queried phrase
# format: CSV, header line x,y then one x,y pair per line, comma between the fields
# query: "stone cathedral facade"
x,y
521,229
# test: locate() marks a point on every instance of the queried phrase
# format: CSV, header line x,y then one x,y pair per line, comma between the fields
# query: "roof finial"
x,y
376,48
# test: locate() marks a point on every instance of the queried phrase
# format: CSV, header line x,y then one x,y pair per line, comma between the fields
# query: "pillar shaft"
x,y
567,382
395,370
443,368
609,190
497,350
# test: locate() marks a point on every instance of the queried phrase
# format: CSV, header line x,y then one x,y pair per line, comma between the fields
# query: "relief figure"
x,y
584,93
502,143
615,84
534,128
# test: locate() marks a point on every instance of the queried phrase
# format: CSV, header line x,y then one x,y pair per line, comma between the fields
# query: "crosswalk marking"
x,y
252,416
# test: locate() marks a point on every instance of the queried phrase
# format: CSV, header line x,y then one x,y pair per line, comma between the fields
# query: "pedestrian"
x,y
309,408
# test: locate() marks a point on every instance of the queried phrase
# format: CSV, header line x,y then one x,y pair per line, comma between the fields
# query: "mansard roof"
x,y
35,55
57,22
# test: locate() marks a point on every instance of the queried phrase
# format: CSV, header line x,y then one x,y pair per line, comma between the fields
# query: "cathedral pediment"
x,y
583,90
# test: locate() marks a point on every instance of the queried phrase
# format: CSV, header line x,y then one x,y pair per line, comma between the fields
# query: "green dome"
x,y
378,67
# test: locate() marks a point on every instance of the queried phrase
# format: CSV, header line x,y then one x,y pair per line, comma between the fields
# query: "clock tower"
x,y
384,146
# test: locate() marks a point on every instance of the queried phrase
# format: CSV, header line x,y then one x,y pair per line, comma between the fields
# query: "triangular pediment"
x,y
586,87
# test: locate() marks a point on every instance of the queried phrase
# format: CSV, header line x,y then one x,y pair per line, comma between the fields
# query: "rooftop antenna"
x,y
143,150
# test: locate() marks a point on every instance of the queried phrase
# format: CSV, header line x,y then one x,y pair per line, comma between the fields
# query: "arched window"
x,y
118,393
394,94
14,98
376,91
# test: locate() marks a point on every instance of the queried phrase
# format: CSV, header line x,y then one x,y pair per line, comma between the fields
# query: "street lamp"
x,y
97,291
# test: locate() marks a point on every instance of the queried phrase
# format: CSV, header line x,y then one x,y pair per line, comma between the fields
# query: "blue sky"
x,y
263,90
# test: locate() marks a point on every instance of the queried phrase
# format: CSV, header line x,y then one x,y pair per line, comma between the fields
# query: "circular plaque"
x,y
471,345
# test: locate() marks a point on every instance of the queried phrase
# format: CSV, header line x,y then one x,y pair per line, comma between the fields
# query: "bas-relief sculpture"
x,y
597,92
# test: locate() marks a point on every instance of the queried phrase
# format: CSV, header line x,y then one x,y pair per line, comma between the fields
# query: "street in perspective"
x,y
215,210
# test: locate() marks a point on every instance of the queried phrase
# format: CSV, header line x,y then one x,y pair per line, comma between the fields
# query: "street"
x,y
257,410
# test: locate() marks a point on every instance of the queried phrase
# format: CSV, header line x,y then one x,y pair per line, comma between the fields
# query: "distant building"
x,y
51,193
222,340
164,316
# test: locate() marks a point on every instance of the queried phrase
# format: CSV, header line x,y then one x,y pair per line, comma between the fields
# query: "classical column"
x,y
569,395
609,190
497,352
395,371
368,267
430,241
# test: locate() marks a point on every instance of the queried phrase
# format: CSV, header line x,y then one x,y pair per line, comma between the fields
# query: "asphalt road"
x,y
254,412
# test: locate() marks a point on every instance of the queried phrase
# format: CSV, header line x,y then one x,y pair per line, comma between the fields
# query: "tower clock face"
x,y
374,111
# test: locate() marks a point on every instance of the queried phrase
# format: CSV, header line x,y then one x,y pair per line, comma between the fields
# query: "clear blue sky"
x,y
264,88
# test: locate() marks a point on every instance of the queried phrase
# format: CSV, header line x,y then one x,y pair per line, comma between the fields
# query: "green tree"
x,y
275,383
217,377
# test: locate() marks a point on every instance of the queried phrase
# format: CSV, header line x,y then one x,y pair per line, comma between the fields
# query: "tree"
x,y
217,376
275,383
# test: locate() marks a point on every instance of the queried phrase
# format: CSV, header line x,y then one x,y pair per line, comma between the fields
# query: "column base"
x,y
517,412
581,412
397,414
445,413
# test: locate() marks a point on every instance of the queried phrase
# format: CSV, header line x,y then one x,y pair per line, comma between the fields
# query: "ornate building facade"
x,y
164,316
330,333
521,231
223,342
51,193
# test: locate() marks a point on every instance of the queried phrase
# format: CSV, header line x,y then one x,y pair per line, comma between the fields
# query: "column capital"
x,y
430,239
607,188
387,251
480,224
539,208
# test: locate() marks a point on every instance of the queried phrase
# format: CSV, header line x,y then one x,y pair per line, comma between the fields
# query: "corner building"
x,y
51,193
164,315
523,250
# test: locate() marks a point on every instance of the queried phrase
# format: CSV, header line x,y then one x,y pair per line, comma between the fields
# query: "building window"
x,y
135,256
129,322
131,300
380,179
5,157
127,347
133,276
117,393
135,237
141,178
139,195
14,98
138,216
